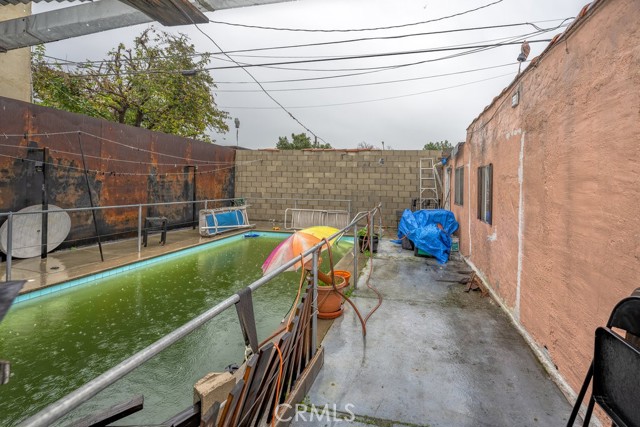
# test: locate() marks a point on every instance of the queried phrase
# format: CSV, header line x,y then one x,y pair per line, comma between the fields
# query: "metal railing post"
x,y
9,244
139,228
314,305
355,256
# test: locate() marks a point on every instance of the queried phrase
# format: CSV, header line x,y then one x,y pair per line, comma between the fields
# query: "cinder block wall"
x,y
366,178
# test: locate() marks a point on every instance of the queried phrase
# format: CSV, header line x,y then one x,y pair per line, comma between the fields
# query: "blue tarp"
x,y
421,228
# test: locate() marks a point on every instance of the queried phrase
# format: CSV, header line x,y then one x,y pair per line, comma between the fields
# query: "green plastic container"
x,y
455,244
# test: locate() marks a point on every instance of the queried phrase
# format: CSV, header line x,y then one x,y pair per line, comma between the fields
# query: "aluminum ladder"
x,y
429,198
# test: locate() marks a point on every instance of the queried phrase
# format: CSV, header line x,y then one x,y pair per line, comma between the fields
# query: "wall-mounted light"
x,y
524,53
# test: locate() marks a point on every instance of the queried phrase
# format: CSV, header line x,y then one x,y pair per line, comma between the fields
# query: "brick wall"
x,y
364,177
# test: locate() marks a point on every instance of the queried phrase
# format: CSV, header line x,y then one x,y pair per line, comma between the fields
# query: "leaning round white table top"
x,y
27,231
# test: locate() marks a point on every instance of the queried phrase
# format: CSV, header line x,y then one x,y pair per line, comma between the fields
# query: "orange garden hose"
x,y
363,322
281,369
371,273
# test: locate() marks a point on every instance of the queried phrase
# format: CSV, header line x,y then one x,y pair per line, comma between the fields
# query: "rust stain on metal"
x,y
126,165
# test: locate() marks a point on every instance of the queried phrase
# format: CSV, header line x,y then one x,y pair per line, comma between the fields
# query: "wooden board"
x,y
26,232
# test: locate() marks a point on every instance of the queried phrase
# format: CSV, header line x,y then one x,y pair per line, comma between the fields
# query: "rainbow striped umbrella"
x,y
296,244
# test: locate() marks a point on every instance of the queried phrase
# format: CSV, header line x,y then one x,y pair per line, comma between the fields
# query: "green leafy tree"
x,y
299,141
160,84
438,146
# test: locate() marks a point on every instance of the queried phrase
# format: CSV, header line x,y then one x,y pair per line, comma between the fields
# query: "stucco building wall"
x,y
366,178
565,241
15,65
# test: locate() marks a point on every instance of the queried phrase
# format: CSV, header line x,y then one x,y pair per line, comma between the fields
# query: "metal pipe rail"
x,y
190,202
296,200
11,215
62,407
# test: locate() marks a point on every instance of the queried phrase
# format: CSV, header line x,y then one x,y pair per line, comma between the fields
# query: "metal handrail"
x,y
63,406
139,206
296,200
190,202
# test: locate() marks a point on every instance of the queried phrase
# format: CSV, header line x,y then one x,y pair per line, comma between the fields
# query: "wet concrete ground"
x,y
433,356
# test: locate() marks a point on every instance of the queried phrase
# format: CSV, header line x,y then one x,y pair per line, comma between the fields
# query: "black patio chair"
x,y
615,368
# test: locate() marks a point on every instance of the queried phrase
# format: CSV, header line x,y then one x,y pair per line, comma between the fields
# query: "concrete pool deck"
x,y
433,356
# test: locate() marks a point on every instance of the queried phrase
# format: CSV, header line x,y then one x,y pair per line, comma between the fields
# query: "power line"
x,y
252,77
260,27
517,38
377,99
455,30
469,48
142,150
377,55
117,173
373,83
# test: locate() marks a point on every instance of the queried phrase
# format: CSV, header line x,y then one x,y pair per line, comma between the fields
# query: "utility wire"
x,y
66,62
455,30
251,75
470,49
449,47
260,27
372,83
142,150
116,173
377,99
378,55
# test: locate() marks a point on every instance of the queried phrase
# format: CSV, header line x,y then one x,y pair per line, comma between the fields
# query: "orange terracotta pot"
x,y
329,301
343,273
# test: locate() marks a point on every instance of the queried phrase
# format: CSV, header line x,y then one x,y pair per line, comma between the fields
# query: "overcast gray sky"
x,y
405,115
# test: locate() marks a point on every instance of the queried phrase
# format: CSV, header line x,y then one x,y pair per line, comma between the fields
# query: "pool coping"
x,y
218,240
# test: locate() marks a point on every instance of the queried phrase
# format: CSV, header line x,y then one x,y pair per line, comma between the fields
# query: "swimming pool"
x,y
59,341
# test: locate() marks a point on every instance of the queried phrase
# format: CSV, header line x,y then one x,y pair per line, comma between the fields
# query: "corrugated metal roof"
x,y
14,2
88,17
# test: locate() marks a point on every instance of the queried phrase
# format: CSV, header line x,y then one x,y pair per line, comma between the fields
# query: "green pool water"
x,y
60,341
